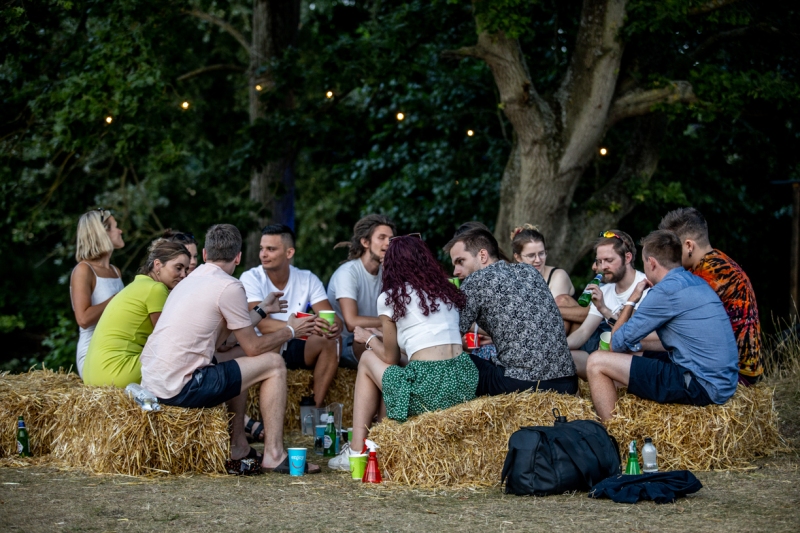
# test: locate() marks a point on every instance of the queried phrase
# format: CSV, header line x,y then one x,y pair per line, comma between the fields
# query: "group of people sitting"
x,y
684,330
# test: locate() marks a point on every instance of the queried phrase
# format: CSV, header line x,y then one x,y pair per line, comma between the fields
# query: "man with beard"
x,y
354,287
615,253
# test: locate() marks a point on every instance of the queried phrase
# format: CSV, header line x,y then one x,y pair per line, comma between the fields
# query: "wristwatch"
x,y
611,321
260,311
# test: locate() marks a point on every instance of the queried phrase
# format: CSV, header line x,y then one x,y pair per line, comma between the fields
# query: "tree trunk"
x,y
555,141
275,24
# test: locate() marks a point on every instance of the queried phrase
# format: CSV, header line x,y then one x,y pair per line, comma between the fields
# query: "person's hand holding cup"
x,y
304,324
472,340
331,329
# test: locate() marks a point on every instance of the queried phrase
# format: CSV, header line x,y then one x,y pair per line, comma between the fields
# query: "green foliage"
x,y
512,17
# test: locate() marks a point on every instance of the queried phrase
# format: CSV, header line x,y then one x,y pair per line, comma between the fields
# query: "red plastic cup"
x,y
304,315
472,341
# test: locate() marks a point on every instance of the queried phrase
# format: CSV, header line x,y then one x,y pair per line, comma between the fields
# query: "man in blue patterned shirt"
x,y
701,363
512,303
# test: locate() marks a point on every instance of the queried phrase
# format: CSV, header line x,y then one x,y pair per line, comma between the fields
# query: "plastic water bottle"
x,y
146,399
649,456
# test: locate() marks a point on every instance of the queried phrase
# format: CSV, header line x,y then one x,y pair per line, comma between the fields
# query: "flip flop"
x,y
283,468
250,465
253,429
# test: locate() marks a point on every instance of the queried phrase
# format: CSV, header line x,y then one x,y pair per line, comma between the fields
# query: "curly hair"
x,y
409,263
364,229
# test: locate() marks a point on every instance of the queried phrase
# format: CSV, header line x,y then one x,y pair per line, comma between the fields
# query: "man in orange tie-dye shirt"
x,y
728,280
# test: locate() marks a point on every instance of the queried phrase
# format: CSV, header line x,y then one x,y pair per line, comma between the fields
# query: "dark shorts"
x,y
492,382
210,386
294,355
654,377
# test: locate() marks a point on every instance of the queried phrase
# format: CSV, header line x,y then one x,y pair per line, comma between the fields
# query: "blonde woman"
x,y
94,280
529,247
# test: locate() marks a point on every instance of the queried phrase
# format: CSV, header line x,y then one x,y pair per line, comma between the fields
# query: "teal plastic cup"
x,y
297,461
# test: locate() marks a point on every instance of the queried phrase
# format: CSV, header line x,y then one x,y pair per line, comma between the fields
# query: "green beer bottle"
x,y
23,443
586,297
329,440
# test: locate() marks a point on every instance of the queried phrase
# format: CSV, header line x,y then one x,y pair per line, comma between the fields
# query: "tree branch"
x,y
210,68
589,84
639,102
607,206
233,32
711,5
465,51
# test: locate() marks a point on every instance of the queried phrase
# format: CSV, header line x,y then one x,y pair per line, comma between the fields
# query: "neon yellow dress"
x,y
118,340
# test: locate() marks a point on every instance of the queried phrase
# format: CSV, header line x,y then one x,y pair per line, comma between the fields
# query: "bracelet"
x,y
366,344
260,311
290,329
629,303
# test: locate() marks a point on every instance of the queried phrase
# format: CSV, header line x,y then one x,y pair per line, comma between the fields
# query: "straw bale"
x,y
105,431
466,445
300,383
34,395
716,437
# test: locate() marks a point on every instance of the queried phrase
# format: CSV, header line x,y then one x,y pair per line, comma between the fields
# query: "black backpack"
x,y
552,460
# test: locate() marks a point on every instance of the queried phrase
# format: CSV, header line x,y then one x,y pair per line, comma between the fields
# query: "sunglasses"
x,y
104,213
417,235
610,235
185,237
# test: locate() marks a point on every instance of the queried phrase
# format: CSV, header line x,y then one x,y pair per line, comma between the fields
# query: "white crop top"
x,y
416,331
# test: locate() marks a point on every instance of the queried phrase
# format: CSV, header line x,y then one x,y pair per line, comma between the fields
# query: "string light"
x,y
329,94
400,116
470,133
258,87
185,105
109,119
603,151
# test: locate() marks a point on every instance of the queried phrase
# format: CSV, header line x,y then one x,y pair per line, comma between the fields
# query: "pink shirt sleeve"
x,y
233,306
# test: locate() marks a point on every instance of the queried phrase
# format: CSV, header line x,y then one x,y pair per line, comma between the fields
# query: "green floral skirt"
x,y
423,386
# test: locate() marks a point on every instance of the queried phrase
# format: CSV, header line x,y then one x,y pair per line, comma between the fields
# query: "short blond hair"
x,y
93,240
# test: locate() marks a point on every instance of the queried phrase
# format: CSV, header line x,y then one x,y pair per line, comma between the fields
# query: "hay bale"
x,y
465,446
101,429
34,395
717,437
105,431
300,383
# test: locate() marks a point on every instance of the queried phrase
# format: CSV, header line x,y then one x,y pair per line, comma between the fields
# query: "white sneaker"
x,y
342,460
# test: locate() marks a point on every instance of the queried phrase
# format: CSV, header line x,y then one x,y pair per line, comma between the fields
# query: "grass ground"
x,y
33,499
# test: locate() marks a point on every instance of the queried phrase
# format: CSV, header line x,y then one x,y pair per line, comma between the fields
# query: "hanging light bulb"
x,y
329,94
603,151
258,87
400,116
185,105
470,133
109,119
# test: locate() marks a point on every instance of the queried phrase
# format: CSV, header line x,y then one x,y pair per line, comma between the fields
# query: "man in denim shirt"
x,y
701,366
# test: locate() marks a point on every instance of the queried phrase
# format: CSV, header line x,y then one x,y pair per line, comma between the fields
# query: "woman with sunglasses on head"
x,y
186,239
529,247
129,319
94,281
419,312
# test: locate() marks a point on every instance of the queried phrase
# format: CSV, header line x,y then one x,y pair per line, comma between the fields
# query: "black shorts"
x,y
492,382
654,377
210,386
294,355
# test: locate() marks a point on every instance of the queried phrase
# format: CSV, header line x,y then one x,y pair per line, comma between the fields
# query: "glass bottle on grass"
x,y
23,441
329,440
586,298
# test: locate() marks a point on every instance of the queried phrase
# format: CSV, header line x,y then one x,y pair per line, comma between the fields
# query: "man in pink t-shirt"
x,y
188,361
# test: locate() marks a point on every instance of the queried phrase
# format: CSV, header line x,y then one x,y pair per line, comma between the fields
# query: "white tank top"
x,y
104,288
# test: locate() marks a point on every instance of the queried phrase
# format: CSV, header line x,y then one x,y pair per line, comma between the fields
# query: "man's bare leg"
x,y
368,398
320,353
239,445
607,371
580,357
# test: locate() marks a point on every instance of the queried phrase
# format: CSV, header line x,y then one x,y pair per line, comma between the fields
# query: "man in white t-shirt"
x,y
187,361
300,288
615,253
354,287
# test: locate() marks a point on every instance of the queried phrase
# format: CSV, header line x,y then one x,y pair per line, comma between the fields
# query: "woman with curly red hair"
x,y
419,312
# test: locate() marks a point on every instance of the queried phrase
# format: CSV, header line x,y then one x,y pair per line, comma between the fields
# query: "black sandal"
x,y
253,429
246,466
